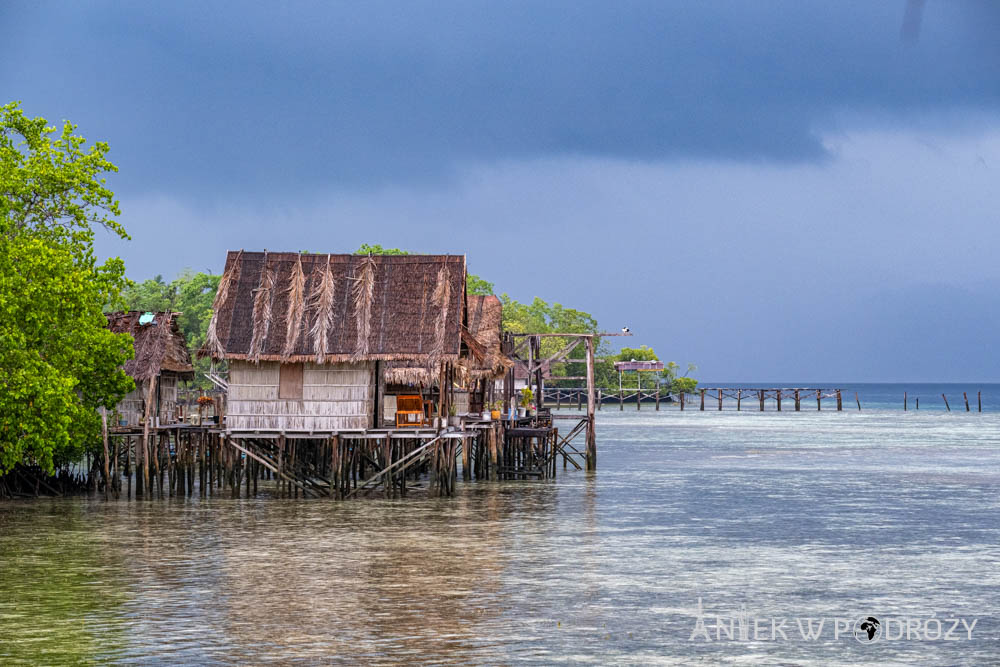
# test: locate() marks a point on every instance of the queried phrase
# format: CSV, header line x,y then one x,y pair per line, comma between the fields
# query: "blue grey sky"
x,y
788,190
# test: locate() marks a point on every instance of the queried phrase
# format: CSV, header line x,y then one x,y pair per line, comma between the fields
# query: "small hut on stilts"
x,y
308,339
161,362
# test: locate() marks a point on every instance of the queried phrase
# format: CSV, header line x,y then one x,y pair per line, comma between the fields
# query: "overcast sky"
x,y
800,190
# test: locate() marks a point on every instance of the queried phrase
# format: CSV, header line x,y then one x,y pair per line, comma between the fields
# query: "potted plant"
x,y
453,418
526,397
495,410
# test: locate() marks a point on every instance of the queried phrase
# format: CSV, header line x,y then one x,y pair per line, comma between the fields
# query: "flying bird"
x,y
625,330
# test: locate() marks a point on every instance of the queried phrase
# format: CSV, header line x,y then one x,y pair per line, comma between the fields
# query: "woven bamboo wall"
x,y
335,397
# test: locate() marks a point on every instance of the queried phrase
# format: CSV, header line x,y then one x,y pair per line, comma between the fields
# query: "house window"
x,y
290,381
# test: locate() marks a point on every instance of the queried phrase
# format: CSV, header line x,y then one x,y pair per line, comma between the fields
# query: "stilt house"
x,y
307,336
161,358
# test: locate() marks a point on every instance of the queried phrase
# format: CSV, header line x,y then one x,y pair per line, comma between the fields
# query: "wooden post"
x,y
591,436
334,466
918,402
150,397
760,395
819,400
104,437
855,398
798,402
904,402
682,401
657,396
493,436
777,397
840,404
979,397
966,397
946,402
600,398
702,400
720,400
466,471
638,391
739,399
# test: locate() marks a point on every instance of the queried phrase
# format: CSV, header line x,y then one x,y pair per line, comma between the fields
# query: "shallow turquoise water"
x,y
781,515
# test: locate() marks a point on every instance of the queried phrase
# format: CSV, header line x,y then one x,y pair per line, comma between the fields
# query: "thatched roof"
x,y
159,345
331,308
484,315
485,322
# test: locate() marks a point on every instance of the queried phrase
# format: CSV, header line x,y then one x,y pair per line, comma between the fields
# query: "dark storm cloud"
x,y
278,98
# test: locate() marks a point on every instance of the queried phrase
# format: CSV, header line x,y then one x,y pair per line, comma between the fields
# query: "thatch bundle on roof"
x,y
293,307
481,336
159,345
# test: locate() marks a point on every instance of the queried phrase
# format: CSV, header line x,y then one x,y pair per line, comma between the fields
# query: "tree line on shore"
x,y
59,363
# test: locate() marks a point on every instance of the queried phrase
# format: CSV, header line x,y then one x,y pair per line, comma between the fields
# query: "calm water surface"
x,y
786,515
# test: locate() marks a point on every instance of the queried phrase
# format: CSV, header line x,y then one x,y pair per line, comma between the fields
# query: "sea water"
x,y
728,517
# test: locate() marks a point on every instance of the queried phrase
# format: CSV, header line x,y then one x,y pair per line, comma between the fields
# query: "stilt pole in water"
x,y
591,436
965,395
979,397
904,401
946,402
855,398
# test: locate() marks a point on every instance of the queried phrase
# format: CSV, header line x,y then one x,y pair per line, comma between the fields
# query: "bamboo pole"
x,y
946,402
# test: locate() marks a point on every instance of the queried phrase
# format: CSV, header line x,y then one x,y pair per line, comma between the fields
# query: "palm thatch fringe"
x,y
411,373
213,346
262,312
441,298
296,306
322,305
364,297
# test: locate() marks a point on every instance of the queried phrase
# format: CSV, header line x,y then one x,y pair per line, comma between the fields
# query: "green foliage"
x,y
376,249
542,317
58,361
476,285
190,294
527,396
